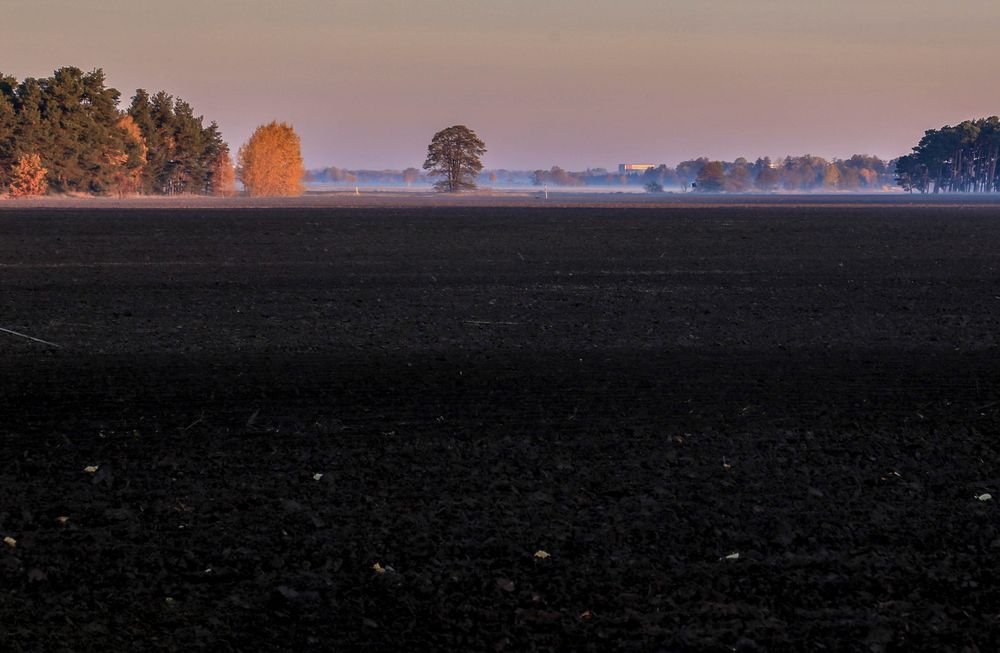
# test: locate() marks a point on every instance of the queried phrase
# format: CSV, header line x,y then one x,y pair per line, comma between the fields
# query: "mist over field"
x,y
862,174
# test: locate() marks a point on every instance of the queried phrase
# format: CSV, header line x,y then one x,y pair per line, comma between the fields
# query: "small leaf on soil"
x,y
985,497
733,556
379,569
91,469
586,615
287,593
10,541
542,555
63,520
317,476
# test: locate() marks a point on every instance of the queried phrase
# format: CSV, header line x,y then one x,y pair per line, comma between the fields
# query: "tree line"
x,y
65,133
793,174
808,173
335,175
859,173
959,159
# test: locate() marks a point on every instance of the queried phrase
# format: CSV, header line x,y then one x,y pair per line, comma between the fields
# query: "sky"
x,y
575,83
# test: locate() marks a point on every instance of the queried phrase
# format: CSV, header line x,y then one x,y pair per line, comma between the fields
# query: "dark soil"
x,y
640,393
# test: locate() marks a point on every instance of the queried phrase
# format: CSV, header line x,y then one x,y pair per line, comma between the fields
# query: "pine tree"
x,y
182,152
456,154
77,119
8,121
29,132
955,159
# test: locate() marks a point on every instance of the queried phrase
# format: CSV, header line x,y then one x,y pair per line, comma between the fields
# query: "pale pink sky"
x,y
577,83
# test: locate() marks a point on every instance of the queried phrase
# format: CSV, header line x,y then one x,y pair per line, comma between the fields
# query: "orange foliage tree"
x,y
129,162
28,176
223,174
270,163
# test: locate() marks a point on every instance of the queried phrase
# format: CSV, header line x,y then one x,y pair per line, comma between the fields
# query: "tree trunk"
x,y
992,169
956,169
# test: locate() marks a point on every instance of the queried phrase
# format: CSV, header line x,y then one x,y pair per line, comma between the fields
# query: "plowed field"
x,y
761,427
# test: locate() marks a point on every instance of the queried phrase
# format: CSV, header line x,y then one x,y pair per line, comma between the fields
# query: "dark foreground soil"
x,y
751,428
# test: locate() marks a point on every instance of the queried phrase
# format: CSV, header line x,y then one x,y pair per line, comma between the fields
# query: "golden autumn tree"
x,y
223,174
28,176
270,163
831,177
129,162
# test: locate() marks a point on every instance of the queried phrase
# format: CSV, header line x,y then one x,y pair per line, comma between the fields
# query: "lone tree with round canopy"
x,y
456,154
270,163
